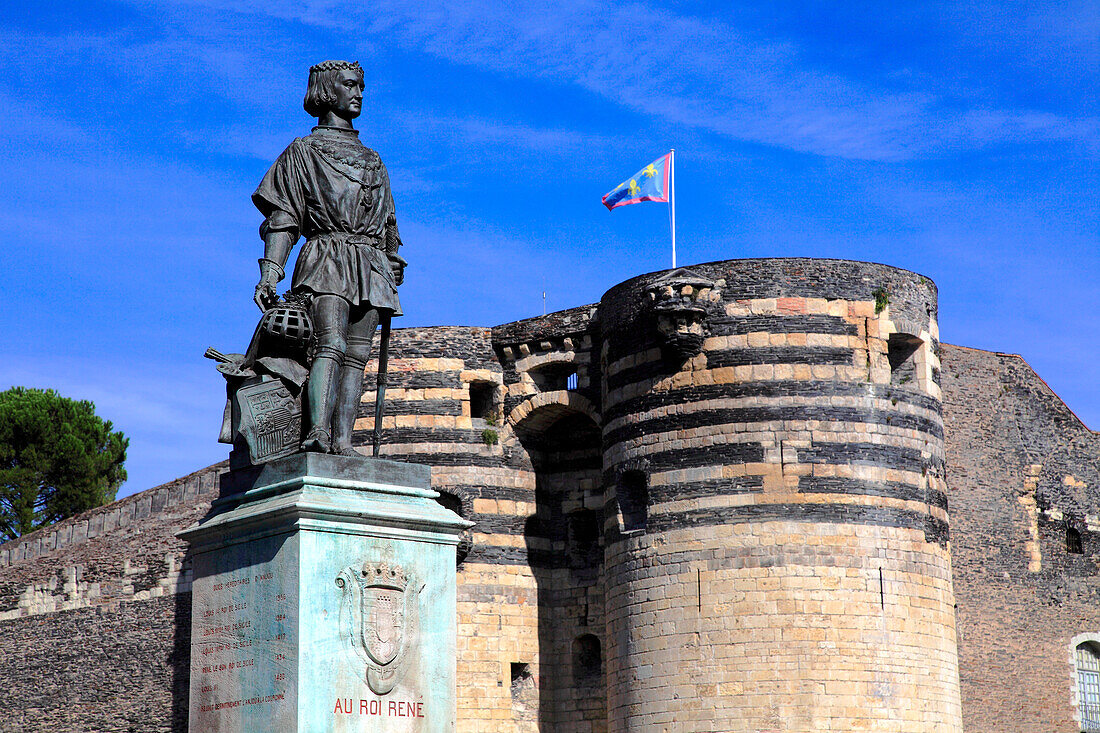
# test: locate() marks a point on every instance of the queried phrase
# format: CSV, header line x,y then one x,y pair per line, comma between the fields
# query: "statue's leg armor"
x,y
330,322
349,392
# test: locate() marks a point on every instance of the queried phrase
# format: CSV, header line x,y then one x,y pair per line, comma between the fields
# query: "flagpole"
x,y
672,200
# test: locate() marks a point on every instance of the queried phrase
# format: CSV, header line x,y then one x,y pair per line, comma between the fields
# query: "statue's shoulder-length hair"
x,y
323,78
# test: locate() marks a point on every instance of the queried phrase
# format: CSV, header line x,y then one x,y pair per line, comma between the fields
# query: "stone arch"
x,y
535,414
543,371
534,361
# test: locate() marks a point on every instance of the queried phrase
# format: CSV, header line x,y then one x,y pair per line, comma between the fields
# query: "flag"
x,y
648,184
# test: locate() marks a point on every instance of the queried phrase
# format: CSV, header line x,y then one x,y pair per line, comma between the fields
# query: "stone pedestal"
x,y
324,600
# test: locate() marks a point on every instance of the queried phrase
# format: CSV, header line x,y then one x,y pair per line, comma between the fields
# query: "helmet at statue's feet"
x,y
289,323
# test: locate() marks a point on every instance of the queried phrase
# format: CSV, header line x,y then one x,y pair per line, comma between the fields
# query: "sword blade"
x,y
383,367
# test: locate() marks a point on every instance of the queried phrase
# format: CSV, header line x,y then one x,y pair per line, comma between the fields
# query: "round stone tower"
x,y
776,530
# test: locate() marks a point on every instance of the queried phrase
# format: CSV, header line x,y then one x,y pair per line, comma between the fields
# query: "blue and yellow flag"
x,y
648,184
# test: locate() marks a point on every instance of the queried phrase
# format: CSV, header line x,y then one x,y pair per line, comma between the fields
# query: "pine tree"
x,y
57,459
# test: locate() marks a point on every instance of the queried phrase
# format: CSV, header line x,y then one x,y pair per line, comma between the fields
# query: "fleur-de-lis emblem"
x,y
650,171
634,187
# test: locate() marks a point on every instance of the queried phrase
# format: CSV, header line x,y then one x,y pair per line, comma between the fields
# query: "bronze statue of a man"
x,y
331,189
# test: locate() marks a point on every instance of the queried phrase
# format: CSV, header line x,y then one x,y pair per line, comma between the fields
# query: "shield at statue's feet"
x,y
271,420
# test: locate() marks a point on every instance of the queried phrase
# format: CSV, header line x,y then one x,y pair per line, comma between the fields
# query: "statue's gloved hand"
x,y
397,266
270,275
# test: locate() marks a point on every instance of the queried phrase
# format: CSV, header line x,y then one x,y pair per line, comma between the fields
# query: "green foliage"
x,y
57,459
882,299
489,437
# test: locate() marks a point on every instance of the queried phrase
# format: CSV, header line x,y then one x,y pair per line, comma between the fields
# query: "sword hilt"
x,y
212,353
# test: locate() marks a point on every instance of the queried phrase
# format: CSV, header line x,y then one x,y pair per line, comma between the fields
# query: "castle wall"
x,y
95,616
792,572
752,538
1022,469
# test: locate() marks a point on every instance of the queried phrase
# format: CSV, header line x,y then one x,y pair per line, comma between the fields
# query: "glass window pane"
x,y
1088,686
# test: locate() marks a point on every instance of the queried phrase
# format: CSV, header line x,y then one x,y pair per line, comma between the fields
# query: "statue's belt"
x,y
366,249
357,239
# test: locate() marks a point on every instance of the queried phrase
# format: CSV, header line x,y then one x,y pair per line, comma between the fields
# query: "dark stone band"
x,y
712,455
416,407
700,489
741,325
419,436
747,356
743,415
859,454
810,390
864,454
935,529
418,380
859,487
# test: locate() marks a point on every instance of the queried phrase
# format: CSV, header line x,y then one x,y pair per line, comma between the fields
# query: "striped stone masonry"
x,y
776,520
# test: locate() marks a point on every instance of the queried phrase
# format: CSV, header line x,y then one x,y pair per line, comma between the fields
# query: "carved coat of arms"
x,y
379,621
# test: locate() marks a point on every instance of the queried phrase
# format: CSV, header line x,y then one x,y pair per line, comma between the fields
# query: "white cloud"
x,y
682,69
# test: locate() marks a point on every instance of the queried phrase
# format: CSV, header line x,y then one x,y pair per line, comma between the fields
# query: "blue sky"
x,y
957,139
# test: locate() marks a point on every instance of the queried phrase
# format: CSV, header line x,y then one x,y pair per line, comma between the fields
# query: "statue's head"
x,y
335,86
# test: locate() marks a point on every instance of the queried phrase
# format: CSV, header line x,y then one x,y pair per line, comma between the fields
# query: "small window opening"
x,y
482,402
900,350
1073,541
1088,686
584,538
587,658
554,376
633,501
521,672
525,700
449,501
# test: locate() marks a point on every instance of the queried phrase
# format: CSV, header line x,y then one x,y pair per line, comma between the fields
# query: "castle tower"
x,y
776,530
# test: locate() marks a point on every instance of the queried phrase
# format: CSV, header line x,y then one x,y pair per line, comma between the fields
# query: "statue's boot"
x,y
349,394
319,391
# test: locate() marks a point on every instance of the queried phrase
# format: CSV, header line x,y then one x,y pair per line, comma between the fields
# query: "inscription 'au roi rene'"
x,y
387,708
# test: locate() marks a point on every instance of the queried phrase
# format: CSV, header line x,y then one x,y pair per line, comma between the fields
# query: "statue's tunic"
x,y
331,189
